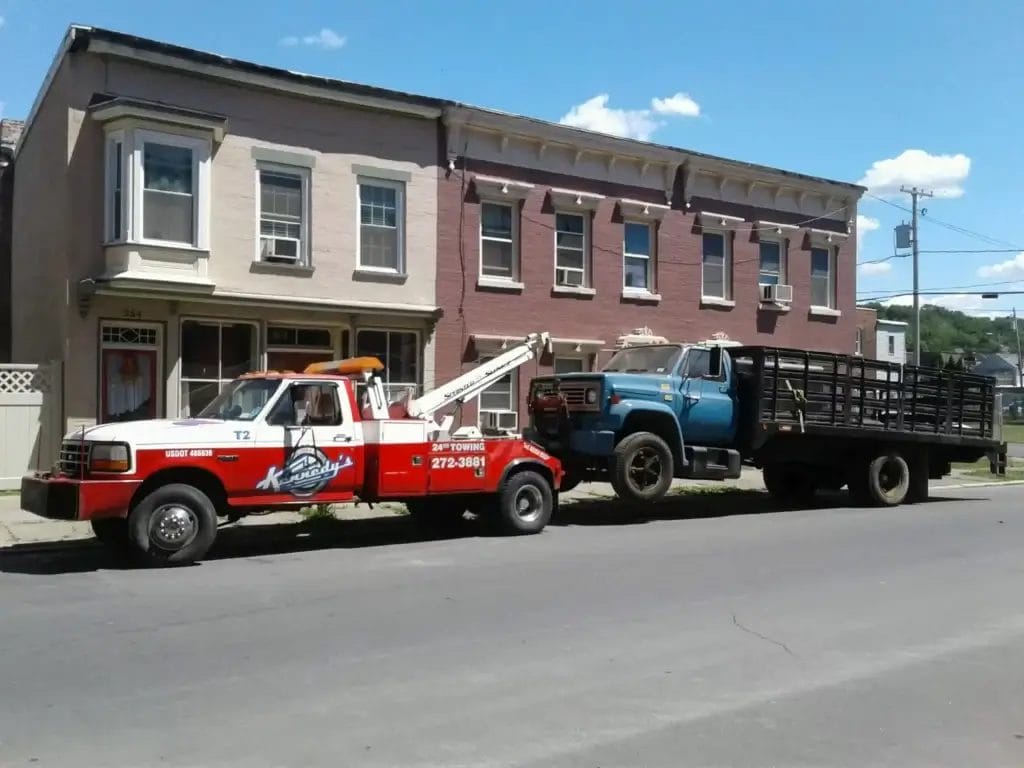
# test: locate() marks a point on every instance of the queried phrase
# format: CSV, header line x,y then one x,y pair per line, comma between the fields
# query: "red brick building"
x,y
591,237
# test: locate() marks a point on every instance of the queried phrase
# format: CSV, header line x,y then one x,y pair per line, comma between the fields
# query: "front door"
x,y
707,411
309,448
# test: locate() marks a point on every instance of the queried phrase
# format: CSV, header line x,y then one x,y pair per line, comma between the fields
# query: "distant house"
x,y
879,339
1004,368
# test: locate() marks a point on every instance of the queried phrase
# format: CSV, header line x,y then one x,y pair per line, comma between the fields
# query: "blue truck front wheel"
x,y
642,467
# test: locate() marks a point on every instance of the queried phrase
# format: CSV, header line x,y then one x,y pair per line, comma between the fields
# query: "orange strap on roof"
x,y
346,367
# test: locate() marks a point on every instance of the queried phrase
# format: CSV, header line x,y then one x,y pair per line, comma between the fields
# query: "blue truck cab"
x,y
653,413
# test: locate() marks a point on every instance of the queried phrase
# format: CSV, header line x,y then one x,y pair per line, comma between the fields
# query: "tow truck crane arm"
x,y
472,383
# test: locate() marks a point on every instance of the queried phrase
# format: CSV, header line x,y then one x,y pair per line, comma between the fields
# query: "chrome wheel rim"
x,y
645,469
528,503
173,527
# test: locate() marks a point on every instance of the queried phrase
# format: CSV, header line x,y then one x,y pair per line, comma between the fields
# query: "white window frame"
x,y
305,251
513,206
220,322
585,285
513,395
400,386
583,360
783,244
137,139
831,282
400,191
160,384
113,177
858,342
726,235
649,257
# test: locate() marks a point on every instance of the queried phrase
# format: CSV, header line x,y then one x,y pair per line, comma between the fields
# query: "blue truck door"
x,y
707,411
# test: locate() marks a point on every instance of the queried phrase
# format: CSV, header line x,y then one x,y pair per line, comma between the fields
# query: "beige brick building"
x,y
182,218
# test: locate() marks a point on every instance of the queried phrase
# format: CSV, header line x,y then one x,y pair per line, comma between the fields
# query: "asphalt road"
x,y
837,637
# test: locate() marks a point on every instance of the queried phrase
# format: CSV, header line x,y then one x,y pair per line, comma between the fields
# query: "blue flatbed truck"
x,y
809,420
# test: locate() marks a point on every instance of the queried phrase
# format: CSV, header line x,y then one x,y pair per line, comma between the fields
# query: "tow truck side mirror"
x,y
715,362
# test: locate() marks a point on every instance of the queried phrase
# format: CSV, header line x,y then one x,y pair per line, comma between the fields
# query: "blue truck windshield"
x,y
659,359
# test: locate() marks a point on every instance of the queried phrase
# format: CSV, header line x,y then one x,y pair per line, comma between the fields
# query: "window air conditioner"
x,y
279,249
777,294
500,421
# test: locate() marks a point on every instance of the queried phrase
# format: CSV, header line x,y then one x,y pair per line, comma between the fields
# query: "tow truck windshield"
x,y
241,400
657,359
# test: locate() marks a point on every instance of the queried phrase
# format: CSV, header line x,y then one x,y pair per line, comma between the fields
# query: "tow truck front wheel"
x,y
524,504
173,525
642,467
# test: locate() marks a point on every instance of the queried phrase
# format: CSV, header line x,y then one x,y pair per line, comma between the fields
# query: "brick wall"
x,y
679,316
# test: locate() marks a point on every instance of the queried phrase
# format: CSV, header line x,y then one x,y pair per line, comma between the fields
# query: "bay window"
x,y
213,353
157,188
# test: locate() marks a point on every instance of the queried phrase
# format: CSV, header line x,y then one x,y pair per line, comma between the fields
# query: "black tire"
x,y
524,504
437,515
174,525
888,480
789,483
642,468
112,533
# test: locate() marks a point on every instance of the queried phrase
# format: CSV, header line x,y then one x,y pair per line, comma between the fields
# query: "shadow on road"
x,y
256,541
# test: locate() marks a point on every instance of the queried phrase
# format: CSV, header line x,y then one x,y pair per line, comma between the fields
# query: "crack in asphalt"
x,y
750,631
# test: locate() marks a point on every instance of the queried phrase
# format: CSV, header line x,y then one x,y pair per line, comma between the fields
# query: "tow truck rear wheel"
x,y
524,504
642,467
173,525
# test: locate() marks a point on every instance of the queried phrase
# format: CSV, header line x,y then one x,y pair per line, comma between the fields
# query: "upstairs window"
x,y
498,246
716,268
157,188
823,278
283,235
772,263
571,246
381,216
637,256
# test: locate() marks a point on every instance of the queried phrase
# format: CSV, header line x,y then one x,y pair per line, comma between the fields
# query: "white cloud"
x,y
1011,269
943,175
681,104
875,268
594,114
326,38
865,224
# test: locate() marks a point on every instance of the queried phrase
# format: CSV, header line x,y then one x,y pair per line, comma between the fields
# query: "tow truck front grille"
x,y
74,456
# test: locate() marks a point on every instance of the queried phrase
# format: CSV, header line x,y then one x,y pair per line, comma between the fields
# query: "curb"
x,y
982,484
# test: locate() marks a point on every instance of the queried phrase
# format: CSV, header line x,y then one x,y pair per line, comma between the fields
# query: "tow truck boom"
x,y
472,383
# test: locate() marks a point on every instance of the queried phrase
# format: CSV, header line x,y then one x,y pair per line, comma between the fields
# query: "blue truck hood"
x,y
626,384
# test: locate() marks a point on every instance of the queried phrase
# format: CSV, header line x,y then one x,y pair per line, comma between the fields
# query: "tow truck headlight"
x,y
591,396
109,457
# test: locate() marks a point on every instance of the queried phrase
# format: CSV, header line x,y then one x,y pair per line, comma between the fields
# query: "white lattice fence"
x,y
30,419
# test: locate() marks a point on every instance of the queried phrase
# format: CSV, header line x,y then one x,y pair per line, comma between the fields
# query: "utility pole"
x,y
915,193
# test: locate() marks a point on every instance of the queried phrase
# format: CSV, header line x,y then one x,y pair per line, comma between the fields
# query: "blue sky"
x,y
913,92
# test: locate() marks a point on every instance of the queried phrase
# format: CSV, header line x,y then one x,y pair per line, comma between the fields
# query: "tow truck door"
x,y
309,448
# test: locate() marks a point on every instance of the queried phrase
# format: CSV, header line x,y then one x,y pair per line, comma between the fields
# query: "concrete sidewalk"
x,y
22,528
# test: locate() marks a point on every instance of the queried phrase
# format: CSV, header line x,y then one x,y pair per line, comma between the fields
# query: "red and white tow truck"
x,y
279,440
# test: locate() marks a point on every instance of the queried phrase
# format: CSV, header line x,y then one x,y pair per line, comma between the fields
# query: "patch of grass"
x,y
713,490
1013,433
980,470
317,512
